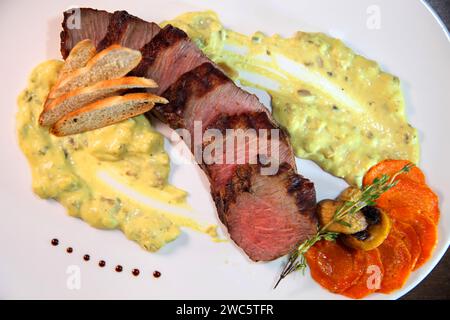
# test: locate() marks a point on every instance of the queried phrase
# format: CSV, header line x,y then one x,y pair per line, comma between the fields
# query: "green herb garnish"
x,y
369,194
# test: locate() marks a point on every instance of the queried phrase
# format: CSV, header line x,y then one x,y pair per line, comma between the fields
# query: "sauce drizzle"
x,y
135,272
102,263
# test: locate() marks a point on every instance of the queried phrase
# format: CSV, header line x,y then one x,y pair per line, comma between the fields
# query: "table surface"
x,y
437,284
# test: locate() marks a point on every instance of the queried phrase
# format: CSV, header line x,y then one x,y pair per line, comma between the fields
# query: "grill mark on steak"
x,y
128,31
93,24
191,85
267,216
201,95
169,55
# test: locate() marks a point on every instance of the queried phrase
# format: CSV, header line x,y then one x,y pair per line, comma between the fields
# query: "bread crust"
x,y
88,75
78,57
77,98
105,112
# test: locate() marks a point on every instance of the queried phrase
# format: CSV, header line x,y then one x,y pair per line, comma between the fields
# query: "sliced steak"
x,y
207,96
128,31
80,24
267,216
169,55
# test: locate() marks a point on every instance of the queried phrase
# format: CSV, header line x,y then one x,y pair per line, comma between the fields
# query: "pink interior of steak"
x,y
138,34
265,219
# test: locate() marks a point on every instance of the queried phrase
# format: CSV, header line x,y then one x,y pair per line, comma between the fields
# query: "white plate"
x,y
410,43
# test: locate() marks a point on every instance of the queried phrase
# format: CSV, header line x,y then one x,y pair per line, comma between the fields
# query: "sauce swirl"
x,y
156,274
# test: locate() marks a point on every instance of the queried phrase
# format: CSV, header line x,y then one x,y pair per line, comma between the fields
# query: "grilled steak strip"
x,y
202,95
128,31
267,216
169,55
80,24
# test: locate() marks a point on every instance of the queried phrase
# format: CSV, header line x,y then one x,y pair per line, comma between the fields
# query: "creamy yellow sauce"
x,y
339,108
71,170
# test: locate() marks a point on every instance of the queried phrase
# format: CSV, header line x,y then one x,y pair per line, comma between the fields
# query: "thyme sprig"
x,y
369,194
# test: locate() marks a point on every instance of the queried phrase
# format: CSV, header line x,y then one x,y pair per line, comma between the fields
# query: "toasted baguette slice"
x,y
112,63
77,98
78,57
105,112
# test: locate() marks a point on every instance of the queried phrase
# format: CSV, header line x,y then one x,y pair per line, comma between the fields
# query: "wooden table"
x,y
437,284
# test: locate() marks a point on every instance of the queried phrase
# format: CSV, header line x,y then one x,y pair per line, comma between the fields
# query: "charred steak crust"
x,y
119,31
166,38
117,24
92,24
296,185
304,193
191,85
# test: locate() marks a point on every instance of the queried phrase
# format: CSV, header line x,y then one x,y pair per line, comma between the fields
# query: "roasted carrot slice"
x,y
371,279
335,266
410,238
407,193
390,167
434,215
396,261
426,229
403,214
423,225
414,208
411,190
